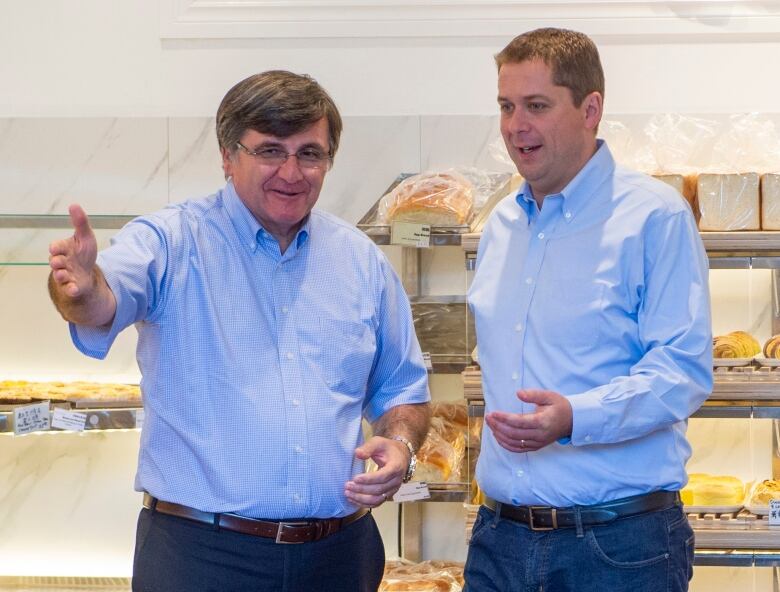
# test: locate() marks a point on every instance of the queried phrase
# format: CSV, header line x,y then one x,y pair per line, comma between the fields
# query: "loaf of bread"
x,y
736,344
713,490
427,576
20,390
770,201
765,491
438,199
729,201
685,186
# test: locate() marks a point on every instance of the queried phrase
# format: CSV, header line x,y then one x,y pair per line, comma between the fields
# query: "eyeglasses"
x,y
308,158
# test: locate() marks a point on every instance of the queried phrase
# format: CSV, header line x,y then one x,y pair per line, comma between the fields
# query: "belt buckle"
x,y
280,530
554,513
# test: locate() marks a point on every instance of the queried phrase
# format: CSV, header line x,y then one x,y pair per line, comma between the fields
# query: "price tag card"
x,y
410,235
427,361
139,419
412,492
31,418
774,512
68,420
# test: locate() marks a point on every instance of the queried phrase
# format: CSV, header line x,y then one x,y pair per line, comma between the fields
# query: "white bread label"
x,y
31,418
412,492
63,419
774,511
410,235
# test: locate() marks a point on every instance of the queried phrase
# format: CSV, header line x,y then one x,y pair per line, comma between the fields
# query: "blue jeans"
x,y
176,555
651,552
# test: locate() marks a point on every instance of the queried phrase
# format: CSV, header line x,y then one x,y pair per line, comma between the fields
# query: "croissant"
x,y
736,344
772,347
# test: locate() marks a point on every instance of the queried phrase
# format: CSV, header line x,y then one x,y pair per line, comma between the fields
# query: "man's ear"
x,y
592,108
227,162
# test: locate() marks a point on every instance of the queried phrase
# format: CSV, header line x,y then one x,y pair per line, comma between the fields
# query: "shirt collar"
x,y
577,194
250,231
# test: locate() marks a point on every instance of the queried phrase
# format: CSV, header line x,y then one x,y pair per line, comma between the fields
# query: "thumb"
x,y
365,451
80,221
535,396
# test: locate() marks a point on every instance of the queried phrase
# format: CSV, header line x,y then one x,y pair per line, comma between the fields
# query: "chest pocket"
x,y
570,312
346,354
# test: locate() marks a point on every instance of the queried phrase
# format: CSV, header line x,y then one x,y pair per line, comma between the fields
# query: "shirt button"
x,y
514,375
296,497
519,327
295,402
299,449
529,281
290,355
540,235
567,215
520,472
588,438
285,309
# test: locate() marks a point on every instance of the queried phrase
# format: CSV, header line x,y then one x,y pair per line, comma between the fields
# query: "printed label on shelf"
x,y
31,418
774,511
68,420
139,419
427,361
410,235
412,491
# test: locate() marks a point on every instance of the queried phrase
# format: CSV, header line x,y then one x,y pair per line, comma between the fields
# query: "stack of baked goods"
x,y
737,344
435,198
705,490
428,576
24,391
442,456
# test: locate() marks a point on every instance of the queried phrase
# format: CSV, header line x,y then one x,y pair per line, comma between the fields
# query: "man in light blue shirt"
x,y
593,324
266,332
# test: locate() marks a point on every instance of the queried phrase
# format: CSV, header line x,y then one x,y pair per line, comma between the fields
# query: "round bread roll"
x,y
438,199
772,347
736,344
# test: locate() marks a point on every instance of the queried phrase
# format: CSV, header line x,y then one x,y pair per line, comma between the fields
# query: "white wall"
x,y
97,58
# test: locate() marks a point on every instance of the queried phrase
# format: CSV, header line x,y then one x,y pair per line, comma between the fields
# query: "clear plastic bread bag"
x,y
448,197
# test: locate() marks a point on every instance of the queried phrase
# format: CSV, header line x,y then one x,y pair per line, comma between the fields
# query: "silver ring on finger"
x,y
522,443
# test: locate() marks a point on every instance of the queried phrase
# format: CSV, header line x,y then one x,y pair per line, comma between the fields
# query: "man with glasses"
x,y
266,331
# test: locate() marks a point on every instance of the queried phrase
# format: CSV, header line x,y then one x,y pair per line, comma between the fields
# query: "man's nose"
x,y
290,170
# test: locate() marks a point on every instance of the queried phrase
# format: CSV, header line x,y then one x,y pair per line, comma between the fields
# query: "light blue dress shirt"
x,y
601,296
257,366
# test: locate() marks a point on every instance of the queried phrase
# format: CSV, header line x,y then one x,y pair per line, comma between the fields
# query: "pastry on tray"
x,y
737,344
704,489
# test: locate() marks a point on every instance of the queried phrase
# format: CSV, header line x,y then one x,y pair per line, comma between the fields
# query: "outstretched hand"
x,y
72,260
527,432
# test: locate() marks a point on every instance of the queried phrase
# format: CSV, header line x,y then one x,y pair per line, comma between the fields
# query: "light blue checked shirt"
x,y
601,296
257,367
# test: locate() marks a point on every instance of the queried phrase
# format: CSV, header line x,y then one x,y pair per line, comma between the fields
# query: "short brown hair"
x,y
279,103
572,57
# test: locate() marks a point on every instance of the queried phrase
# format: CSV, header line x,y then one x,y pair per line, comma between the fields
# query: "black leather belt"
x,y
298,531
548,518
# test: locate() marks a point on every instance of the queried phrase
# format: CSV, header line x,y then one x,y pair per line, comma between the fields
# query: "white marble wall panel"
x,y
108,165
67,505
35,340
741,301
739,447
463,141
195,165
372,153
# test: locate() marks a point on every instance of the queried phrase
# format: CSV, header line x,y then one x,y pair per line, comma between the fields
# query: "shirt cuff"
x,y
587,418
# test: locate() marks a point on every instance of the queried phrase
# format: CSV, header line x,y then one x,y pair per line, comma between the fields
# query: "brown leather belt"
x,y
548,518
299,531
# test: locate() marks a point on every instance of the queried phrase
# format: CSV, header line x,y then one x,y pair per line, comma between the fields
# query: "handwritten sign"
x,y
31,418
